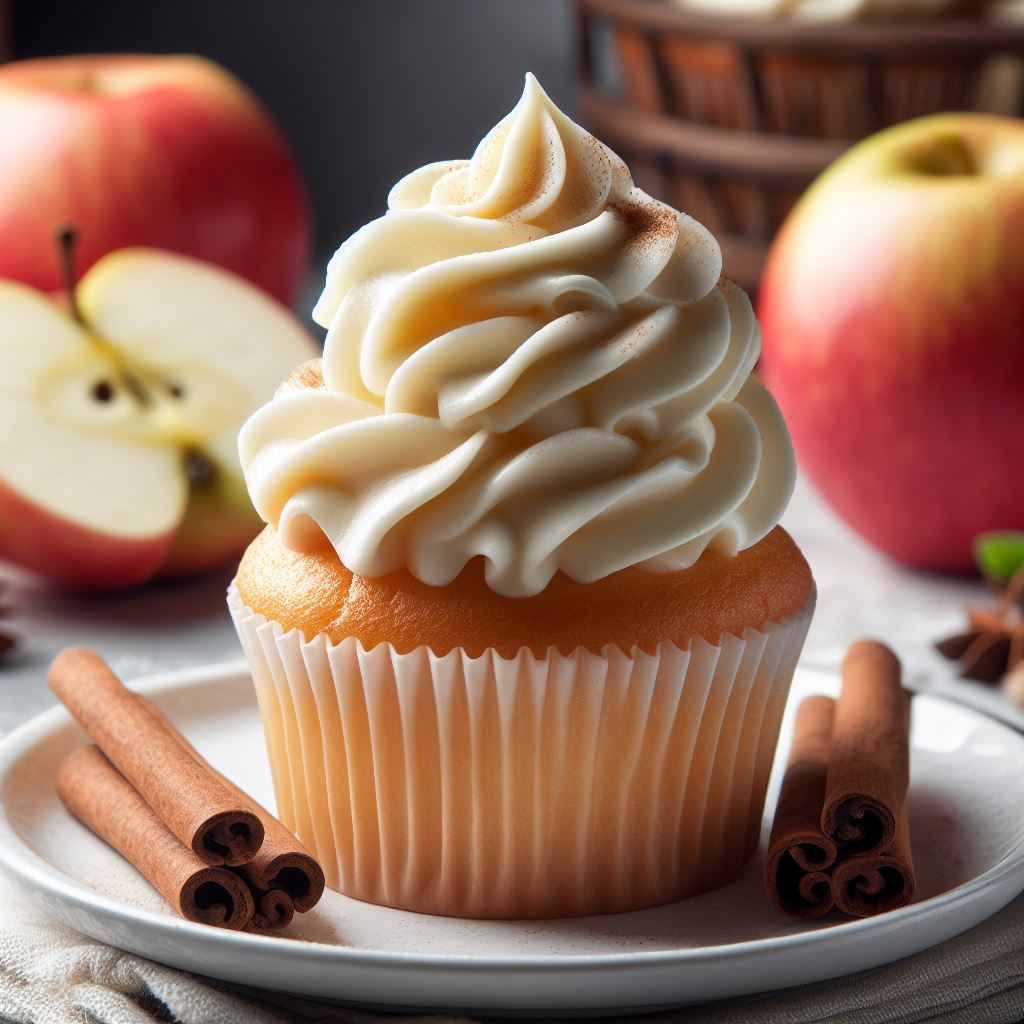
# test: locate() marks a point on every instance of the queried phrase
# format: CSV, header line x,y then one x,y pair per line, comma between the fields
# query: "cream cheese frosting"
x,y
528,360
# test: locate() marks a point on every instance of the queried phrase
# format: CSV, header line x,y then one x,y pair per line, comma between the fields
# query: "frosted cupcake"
x,y
522,623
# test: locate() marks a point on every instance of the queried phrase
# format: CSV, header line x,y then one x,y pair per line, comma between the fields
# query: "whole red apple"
x,y
170,152
892,307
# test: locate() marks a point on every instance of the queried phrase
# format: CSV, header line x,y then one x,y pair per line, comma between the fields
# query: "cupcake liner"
x,y
522,787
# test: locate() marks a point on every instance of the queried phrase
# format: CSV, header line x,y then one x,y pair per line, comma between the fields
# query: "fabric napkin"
x,y
50,974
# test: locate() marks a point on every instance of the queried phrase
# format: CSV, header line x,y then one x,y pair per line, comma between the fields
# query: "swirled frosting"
x,y
528,360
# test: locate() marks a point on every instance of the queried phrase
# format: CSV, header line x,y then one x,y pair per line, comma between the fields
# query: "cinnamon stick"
x,y
274,910
877,882
841,834
799,856
282,863
193,803
869,762
98,795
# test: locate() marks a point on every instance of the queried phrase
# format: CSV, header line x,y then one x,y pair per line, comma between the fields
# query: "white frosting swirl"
x,y
529,360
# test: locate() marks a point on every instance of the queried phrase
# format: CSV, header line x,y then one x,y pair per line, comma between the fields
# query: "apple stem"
x,y
67,243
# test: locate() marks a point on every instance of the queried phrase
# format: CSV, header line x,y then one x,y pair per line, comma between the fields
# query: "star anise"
x,y
1013,684
8,639
992,646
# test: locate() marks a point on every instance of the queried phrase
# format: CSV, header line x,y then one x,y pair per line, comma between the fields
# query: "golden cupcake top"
x,y
532,362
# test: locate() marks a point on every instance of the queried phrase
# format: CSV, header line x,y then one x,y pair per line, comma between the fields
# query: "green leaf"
x,y
999,554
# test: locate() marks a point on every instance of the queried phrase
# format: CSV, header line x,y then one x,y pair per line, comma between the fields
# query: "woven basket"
x,y
731,118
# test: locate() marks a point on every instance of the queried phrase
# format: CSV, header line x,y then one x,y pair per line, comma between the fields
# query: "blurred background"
x,y
365,92
729,123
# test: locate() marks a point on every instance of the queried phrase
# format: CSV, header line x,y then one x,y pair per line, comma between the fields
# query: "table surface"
x,y
176,625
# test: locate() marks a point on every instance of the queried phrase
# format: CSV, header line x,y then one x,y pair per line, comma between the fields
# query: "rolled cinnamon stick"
x,y
282,863
186,795
797,870
874,883
274,910
96,793
869,763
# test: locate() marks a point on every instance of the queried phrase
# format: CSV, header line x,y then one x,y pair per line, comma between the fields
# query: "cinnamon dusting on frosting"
x,y
304,376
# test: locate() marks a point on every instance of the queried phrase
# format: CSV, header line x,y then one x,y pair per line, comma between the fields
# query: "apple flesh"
x,y
892,309
164,151
118,455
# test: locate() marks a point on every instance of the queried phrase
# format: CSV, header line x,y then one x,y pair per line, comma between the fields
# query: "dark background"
x,y
366,90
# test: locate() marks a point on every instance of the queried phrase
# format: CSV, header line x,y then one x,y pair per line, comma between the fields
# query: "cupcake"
x,y
522,622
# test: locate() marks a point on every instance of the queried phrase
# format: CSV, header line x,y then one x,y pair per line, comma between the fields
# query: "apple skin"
x,y
219,521
169,152
892,309
73,555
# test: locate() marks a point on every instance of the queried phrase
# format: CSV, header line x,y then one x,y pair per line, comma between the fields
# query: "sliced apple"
x,y
118,433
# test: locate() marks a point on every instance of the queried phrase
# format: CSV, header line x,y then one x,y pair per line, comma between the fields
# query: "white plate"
x,y
985,697
938,677
965,800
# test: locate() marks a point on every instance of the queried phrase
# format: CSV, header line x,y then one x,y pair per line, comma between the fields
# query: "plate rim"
x,y
35,875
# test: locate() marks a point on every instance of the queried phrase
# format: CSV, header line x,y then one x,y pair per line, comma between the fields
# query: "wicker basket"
x,y
731,118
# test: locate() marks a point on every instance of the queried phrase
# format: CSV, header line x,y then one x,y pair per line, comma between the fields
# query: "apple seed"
x,y
199,469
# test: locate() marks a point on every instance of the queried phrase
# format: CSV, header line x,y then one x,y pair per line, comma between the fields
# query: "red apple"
x,y
892,307
119,417
169,152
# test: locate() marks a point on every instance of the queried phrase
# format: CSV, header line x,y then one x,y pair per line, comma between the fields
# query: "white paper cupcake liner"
x,y
522,787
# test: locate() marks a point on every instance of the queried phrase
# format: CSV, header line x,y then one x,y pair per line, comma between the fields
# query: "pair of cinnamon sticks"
x,y
840,836
210,850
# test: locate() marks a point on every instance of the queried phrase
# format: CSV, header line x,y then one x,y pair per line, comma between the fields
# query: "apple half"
x,y
119,417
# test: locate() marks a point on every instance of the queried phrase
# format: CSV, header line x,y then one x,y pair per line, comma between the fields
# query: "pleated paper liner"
x,y
730,118
525,787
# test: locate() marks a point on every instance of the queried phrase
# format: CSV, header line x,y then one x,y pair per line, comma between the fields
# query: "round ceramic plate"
x,y
985,697
965,800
